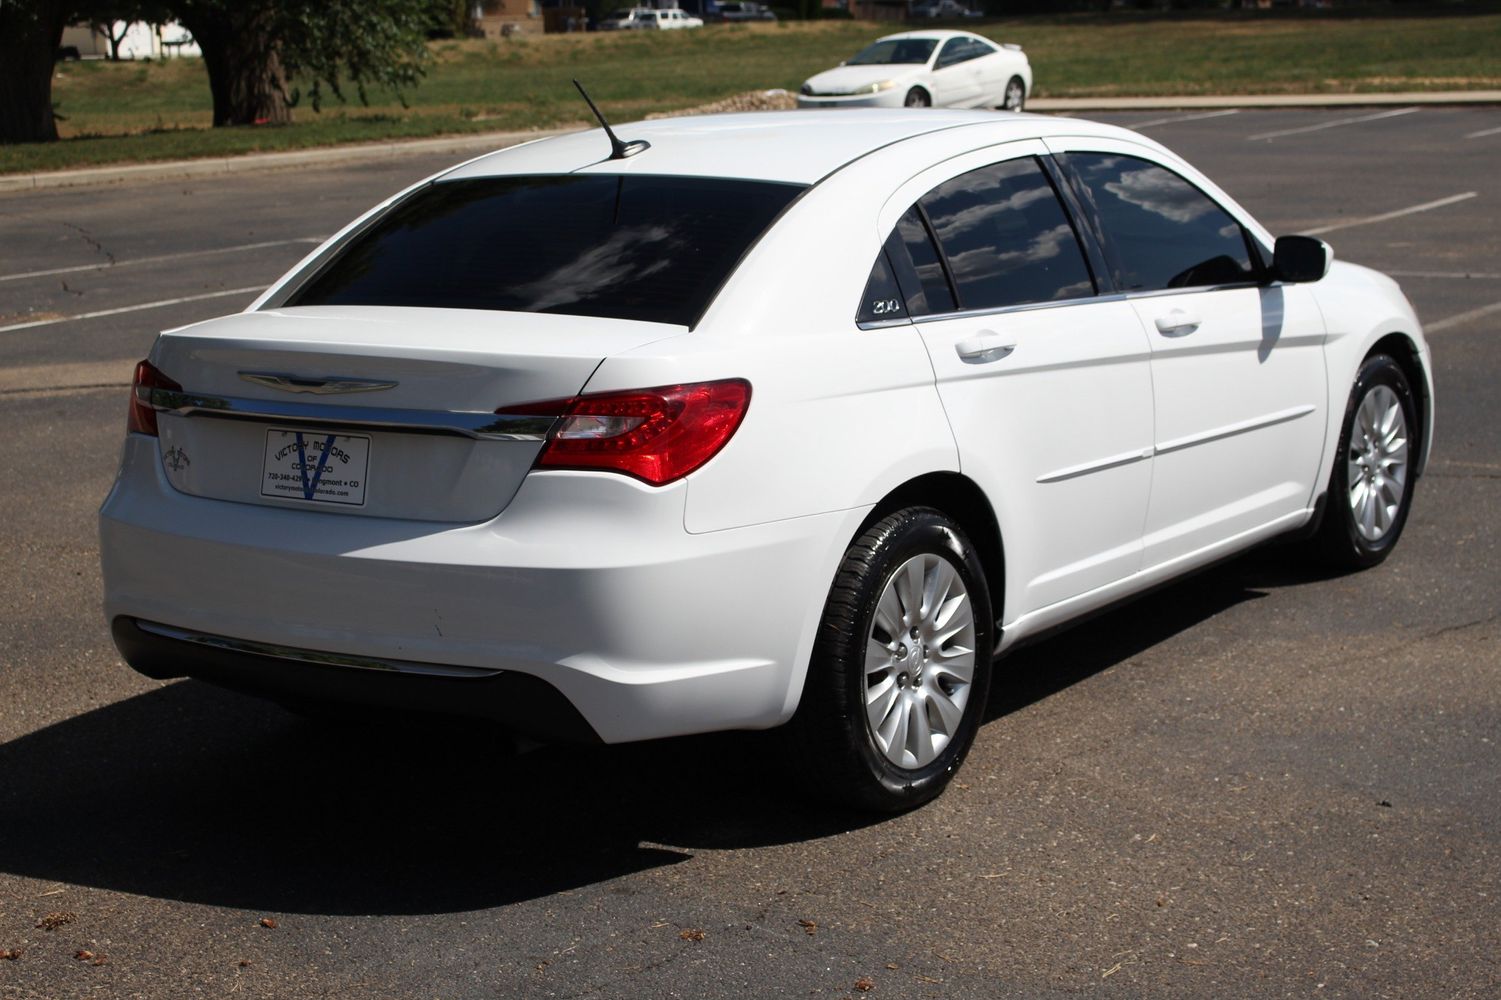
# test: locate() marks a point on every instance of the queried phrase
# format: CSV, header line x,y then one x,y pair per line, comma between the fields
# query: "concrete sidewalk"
x,y
476,144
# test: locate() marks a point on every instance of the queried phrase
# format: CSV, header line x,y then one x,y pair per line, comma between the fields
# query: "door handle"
x,y
983,348
1177,323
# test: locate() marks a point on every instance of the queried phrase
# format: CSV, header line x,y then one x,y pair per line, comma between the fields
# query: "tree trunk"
x,y
240,52
29,36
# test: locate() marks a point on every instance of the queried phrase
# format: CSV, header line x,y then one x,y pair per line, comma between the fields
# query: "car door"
x,y
992,73
1237,361
955,82
1046,385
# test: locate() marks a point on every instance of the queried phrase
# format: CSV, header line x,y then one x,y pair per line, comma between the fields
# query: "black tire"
x,y
1021,100
1339,542
835,752
917,98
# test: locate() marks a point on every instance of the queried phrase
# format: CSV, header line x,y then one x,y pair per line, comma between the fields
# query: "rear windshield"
x,y
639,247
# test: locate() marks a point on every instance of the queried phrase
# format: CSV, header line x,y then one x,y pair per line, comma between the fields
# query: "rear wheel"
x,y
918,98
901,667
1370,489
1016,95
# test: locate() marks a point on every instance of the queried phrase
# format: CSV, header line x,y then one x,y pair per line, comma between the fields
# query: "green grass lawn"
x,y
133,112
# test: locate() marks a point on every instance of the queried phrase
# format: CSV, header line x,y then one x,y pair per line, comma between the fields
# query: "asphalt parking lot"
x,y
1258,782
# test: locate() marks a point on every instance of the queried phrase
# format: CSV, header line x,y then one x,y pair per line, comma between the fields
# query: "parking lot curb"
x,y
219,165
484,142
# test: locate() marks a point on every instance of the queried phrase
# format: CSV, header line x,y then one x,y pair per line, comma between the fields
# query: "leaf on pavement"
x,y
56,919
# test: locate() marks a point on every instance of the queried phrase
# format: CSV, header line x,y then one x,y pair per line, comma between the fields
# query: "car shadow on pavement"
x,y
193,793
1037,670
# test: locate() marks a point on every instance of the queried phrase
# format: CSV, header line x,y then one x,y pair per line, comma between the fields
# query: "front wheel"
x,y
901,667
918,98
1370,489
1016,95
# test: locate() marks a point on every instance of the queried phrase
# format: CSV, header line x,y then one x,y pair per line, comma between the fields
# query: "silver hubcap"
x,y
1013,96
919,661
1377,462
916,100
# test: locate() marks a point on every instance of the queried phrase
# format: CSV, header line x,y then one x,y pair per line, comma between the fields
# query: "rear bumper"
x,y
522,703
587,582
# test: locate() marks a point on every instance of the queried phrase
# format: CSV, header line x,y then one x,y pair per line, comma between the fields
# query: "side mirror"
x,y
1300,258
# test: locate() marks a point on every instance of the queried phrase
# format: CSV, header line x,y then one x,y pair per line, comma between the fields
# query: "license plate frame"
x,y
315,466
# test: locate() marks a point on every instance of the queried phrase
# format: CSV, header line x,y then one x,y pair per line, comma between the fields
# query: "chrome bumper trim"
x,y
479,425
312,656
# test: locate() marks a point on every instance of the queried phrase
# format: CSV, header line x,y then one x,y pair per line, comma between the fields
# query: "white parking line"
x,y
1334,124
1427,206
104,265
129,309
1483,275
1185,118
1483,132
1463,318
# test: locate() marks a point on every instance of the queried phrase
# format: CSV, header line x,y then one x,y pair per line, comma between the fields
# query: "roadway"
x,y
1258,782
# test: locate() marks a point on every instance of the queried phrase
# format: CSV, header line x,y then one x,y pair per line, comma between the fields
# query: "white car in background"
x,y
761,420
649,19
921,69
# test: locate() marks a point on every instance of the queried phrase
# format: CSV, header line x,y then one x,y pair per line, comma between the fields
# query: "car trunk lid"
x,y
386,412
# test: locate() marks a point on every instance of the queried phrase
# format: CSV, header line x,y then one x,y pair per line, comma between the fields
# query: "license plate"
x,y
315,465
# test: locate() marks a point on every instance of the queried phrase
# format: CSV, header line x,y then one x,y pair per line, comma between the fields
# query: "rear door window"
x,y
1006,238
1159,231
639,247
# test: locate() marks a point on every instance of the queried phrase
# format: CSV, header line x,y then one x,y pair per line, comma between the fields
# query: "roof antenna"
x,y
618,150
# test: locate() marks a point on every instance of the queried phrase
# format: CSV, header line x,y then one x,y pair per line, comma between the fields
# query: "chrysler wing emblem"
x,y
317,386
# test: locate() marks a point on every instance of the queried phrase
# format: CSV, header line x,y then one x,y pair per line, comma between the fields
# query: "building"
x,y
136,40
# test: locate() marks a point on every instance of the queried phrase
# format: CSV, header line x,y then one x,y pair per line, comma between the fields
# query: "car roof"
x,y
939,34
795,147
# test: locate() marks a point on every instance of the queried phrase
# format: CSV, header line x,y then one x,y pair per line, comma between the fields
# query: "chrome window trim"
x,y
1058,303
884,324
482,426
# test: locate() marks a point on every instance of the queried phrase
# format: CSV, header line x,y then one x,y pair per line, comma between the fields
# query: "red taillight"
x,y
658,435
142,419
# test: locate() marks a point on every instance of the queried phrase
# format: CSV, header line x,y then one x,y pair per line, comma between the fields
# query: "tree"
x,y
30,31
260,54
115,37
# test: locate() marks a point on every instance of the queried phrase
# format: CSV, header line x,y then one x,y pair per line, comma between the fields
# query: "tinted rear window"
x,y
641,248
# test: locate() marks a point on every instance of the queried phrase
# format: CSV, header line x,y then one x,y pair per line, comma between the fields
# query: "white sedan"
x,y
920,69
617,445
